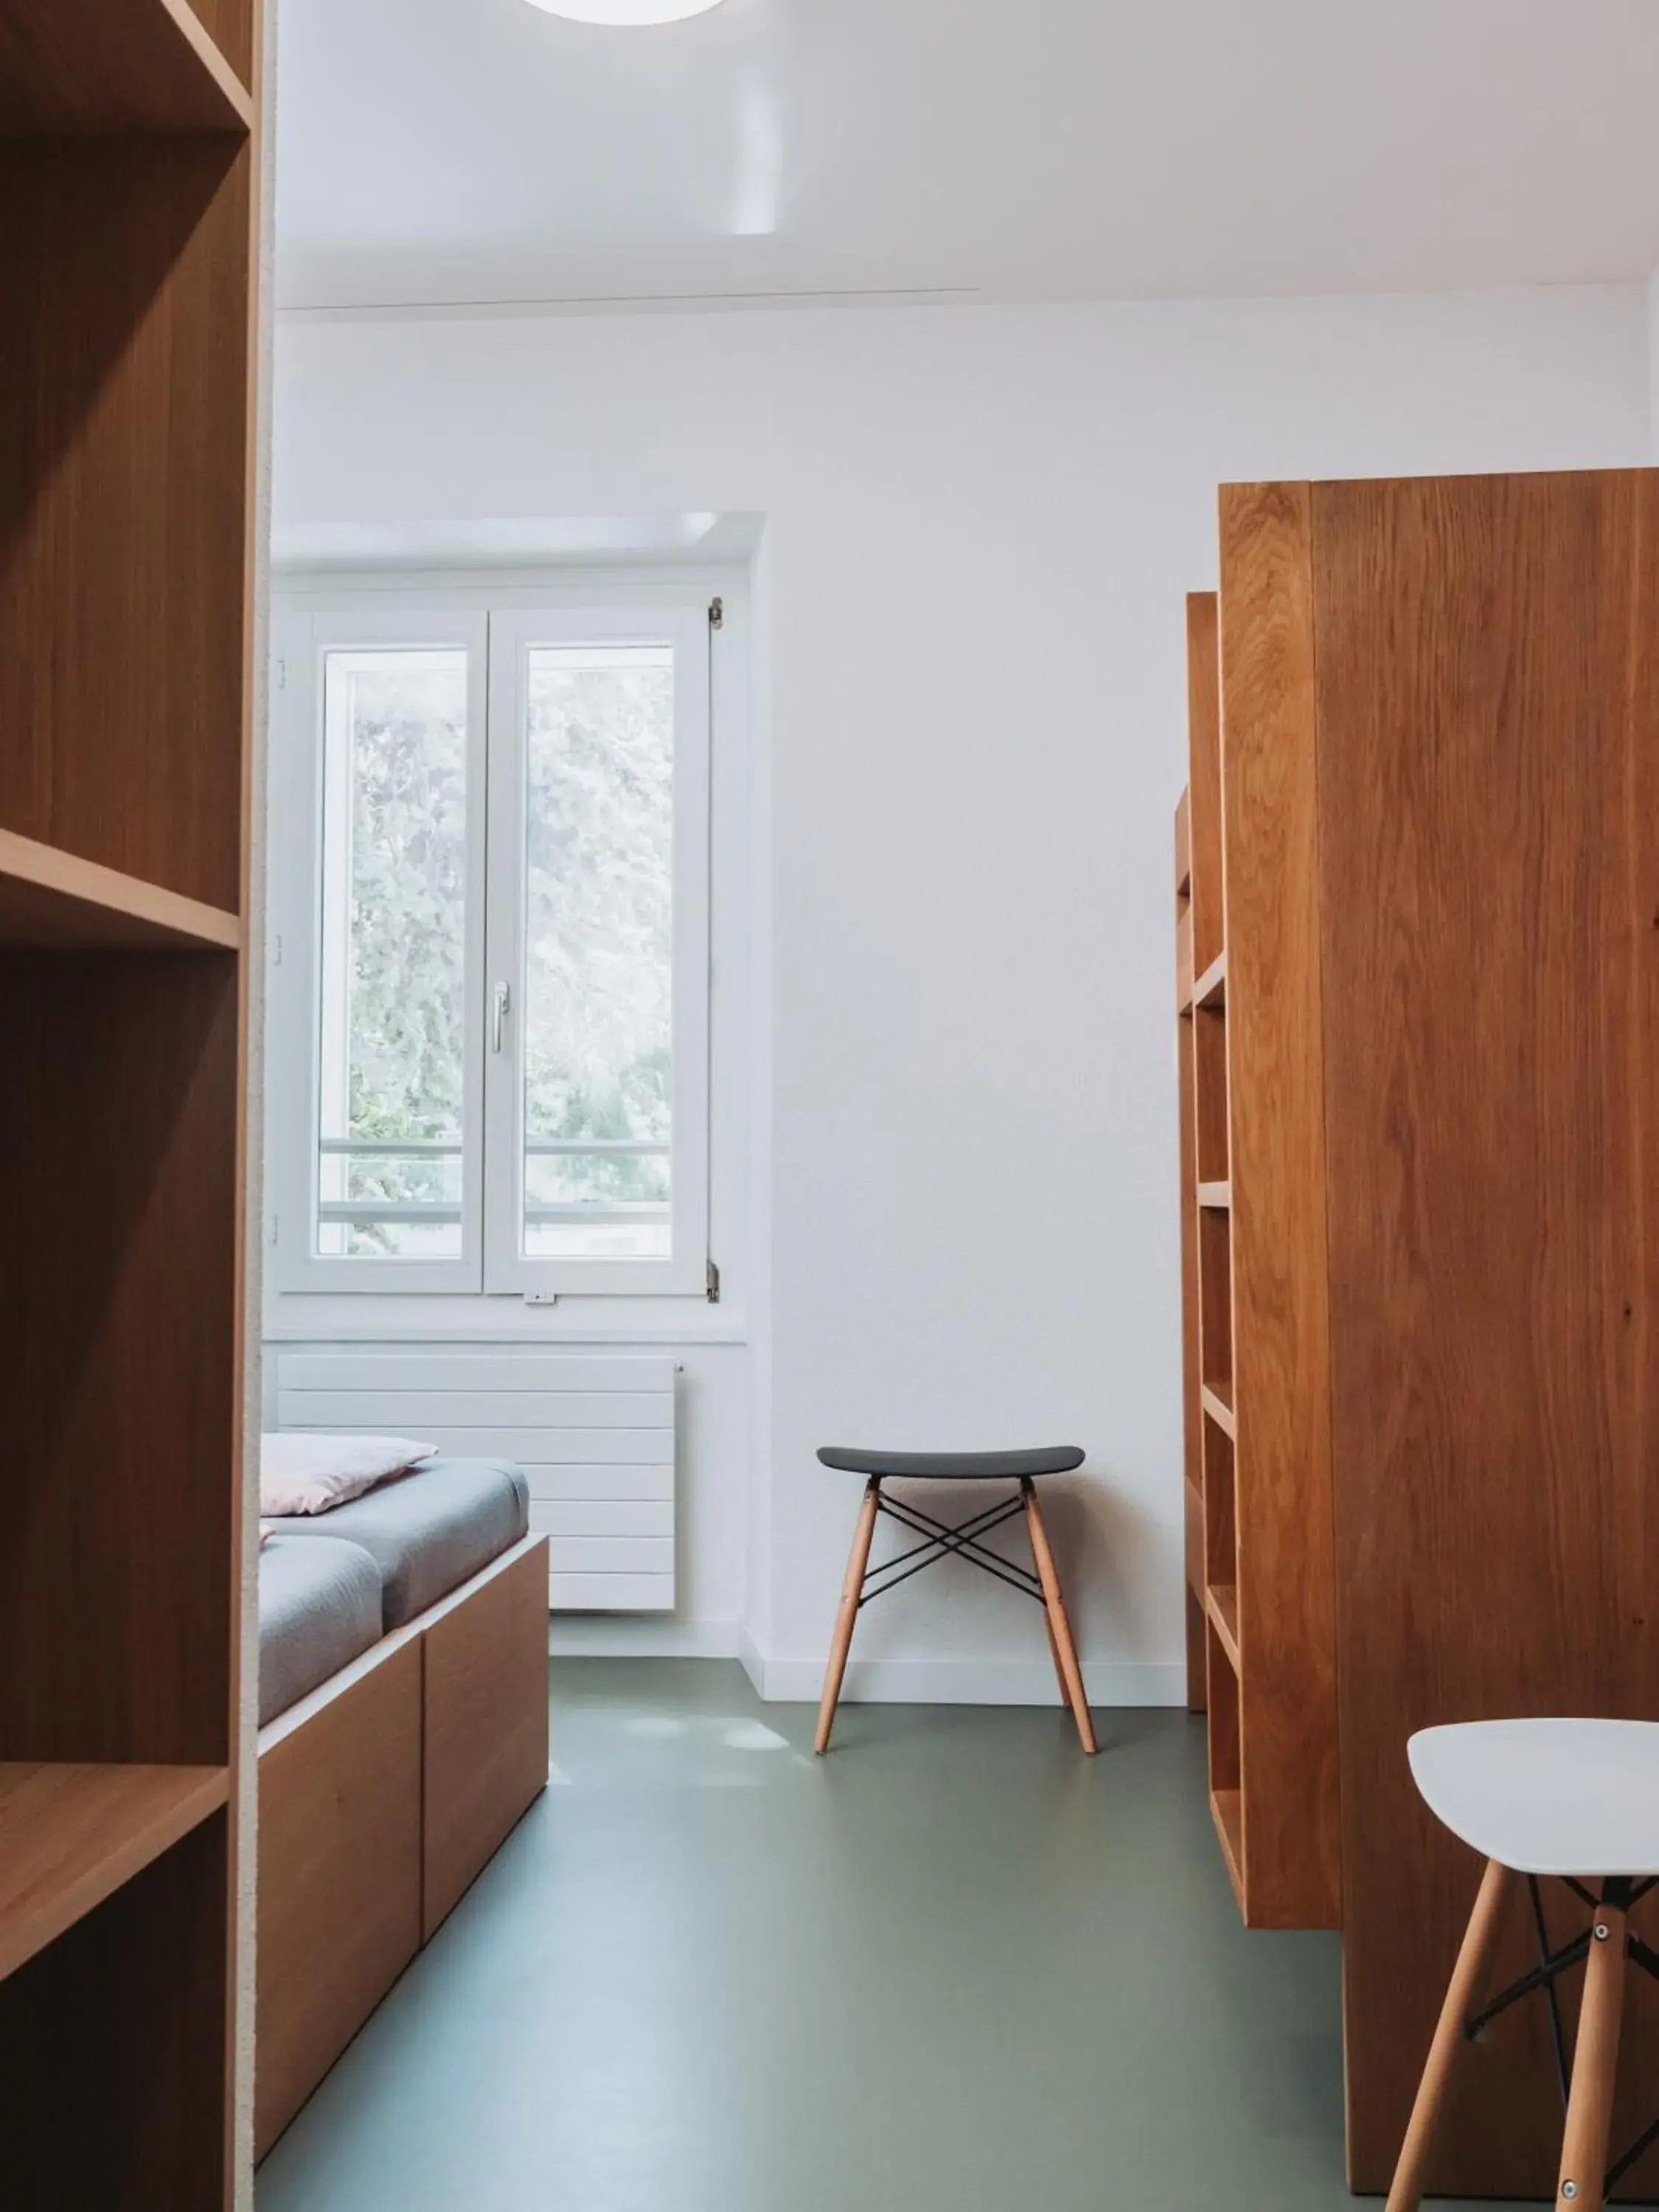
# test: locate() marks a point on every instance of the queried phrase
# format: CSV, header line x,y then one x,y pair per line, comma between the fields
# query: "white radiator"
x,y
595,1437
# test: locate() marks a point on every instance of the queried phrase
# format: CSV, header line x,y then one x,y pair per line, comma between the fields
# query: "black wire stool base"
x,y
944,1542
1618,1895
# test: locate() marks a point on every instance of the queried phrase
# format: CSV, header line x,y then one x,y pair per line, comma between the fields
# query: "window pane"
x,y
598,951
393,954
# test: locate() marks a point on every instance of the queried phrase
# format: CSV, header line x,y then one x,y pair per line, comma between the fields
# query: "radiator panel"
x,y
594,1436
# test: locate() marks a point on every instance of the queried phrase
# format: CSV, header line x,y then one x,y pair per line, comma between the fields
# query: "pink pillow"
x,y
302,1473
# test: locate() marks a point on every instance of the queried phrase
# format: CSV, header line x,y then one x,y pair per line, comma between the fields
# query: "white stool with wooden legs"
x,y
1577,1801
941,1541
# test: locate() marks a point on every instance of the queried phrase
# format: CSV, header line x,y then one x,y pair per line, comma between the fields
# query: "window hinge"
x,y
717,614
274,1224
714,1283
276,950
282,674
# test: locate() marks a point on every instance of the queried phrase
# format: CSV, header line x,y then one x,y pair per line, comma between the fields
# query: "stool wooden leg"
x,y
1054,1653
1412,2171
1060,1629
846,1614
1595,2066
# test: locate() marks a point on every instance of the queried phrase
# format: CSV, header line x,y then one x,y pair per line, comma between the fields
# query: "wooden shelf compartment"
x,y
125,422
1210,990
1204,777
1209,1026
119,1356
1220,1511
1193,1500
1183,849
115,2043
71,1835
121,67
57,901
1215,1297
1227,1811
1221,1603
1226,1799
1216,1196
1218,1408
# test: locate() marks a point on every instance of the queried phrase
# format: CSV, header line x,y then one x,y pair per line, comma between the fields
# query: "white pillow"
x,y
304,1474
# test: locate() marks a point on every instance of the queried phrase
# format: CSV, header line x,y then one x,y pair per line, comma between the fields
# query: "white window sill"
x,y
361,1318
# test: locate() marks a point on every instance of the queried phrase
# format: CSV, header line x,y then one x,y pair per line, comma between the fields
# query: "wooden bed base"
x,y
381,1797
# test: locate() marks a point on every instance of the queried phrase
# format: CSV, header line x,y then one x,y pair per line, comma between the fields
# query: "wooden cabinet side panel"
x,y
339,1881
1489,796
1280,1344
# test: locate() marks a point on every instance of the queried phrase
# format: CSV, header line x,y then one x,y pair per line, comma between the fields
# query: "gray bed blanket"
x,y
319,1608
428,1530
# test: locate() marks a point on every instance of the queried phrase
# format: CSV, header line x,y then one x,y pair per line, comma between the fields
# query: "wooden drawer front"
x,y
486,1724
339,1880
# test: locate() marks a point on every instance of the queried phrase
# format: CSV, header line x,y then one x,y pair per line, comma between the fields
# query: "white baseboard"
x,y
753,1662
871,1681
965,1682
637,1635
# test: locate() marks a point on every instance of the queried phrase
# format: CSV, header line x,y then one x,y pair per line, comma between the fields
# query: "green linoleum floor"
x,y
954,1967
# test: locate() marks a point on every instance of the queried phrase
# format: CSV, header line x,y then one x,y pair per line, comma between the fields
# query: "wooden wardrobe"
x,y
1418,891
129,197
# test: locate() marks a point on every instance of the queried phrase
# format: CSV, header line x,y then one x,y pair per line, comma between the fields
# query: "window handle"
x,y
502,1001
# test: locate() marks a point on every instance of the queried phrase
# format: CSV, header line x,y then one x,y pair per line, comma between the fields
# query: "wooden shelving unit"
x,y
1193,1453
1423,1328
1213,1660
128,231
1283,1875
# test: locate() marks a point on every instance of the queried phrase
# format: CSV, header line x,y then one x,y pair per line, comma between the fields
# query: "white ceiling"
x,y
438,151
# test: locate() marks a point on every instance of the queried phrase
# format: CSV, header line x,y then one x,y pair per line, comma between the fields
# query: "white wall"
x,y
980,524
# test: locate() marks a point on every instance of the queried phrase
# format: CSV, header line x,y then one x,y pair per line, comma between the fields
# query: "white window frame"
x,y
495,631
303,642
513,633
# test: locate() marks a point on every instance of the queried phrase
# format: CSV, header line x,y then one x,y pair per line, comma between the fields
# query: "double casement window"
x,y
490,948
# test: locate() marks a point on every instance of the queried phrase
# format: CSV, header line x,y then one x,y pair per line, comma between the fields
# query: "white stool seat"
x,y
1546,1796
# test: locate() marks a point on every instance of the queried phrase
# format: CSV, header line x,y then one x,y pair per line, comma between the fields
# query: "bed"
x,y
404,1734
425,1531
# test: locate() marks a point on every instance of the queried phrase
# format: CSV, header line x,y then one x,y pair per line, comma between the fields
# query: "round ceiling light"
x,y
628,12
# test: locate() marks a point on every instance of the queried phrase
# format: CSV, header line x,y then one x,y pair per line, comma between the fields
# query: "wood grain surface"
x,y
1280,1388
115,67
120,1224
56,902
1488,705
486,1722
1204,787
1186,1080
124,430
71,1835
339,1877
113,2086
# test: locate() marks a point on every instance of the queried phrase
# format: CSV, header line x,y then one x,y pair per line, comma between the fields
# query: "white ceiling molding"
x,y
464,154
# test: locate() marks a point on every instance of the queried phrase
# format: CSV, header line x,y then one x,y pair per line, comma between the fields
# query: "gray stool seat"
x,y
965,1542
955,1466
